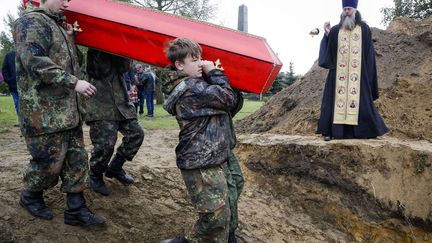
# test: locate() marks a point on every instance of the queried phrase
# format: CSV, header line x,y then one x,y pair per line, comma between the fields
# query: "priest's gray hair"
x,y
348,22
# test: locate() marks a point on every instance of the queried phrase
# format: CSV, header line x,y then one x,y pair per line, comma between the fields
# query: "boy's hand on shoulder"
x,y
207,66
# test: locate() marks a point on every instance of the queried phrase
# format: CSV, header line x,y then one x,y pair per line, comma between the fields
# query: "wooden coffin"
x,y
142,34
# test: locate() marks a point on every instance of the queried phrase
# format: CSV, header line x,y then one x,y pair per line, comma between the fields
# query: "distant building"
x,y
243,18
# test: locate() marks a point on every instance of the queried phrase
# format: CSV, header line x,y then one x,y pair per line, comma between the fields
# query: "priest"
x,y
348,109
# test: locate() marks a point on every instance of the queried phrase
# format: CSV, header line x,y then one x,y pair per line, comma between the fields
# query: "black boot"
x,y
77,212
35,204
115,169
97,184
232,237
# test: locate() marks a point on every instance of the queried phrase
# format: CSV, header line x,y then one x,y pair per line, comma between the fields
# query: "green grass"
x,y
8,116
249,107
161,119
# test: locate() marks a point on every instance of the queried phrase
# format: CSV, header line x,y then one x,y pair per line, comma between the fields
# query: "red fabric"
x,y
142,34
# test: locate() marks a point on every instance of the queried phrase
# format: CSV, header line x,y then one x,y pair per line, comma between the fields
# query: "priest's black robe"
x,y
370,123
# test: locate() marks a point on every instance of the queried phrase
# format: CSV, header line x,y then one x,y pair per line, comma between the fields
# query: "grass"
x,y
8,116
161,119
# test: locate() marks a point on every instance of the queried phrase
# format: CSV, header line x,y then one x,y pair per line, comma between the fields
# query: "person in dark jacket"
x,y
9,76
140,79
129,78
1,81
149,89
200,97
107,113
348,109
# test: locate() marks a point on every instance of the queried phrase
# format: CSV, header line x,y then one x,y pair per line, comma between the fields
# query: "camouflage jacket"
x,y
111,101
202,111
47,67
232,113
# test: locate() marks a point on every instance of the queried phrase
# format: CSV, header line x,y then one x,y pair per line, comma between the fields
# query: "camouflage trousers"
x,y
103,135
55,155
235,181
208,191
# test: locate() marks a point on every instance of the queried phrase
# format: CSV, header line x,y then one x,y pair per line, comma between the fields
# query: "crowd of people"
x,y
55,98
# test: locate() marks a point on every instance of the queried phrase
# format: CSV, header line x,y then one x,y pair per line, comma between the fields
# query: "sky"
x,y
285,24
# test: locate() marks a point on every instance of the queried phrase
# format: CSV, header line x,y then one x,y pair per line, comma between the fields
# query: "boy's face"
x,y
191,66
56,6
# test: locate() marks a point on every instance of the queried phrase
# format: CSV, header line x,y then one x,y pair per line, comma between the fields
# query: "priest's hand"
x,y
327,28
85,88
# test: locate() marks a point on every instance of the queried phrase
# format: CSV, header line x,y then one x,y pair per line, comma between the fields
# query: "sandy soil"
x,y
404,63
287,197
156,207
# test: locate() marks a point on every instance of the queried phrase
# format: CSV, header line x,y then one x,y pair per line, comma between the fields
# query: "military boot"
x,y
97,184
34,203
78,214
232,237
115,169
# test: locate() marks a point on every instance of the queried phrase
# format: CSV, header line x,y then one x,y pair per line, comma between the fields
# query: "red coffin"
x,y
142,34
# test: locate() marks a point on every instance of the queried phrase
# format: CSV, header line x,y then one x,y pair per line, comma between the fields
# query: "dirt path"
x,y
274,207
154,208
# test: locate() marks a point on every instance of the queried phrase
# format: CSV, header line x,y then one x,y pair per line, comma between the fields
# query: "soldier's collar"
x,y
60,18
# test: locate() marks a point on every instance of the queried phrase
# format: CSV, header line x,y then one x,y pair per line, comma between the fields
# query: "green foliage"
x,y
4,89
414,9
195,9
284,79
6,40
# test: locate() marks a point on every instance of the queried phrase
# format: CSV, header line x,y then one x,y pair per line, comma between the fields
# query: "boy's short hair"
x,y
179,48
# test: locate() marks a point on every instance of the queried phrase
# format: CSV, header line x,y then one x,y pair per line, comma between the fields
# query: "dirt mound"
x,y
296,190
352,190
404,59
154,208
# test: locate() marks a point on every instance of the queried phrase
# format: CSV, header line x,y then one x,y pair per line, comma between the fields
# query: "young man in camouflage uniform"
x,y
200,97
48,83
107,113
233,173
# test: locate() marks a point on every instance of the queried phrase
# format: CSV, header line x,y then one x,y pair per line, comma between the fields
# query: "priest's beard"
x,y
348,22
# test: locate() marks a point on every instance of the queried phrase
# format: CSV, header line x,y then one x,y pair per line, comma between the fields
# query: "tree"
x,y
414,9
284,79
6,41
194,9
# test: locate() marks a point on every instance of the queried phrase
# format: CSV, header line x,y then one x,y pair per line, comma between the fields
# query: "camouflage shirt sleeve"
x,y
33,38
218,94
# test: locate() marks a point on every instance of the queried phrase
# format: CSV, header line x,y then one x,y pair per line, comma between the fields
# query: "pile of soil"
x,y
154,208
297,189
404,61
